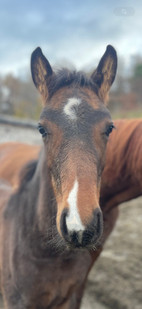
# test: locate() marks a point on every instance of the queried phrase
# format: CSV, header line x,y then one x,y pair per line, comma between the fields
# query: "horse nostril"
x,y
94,229
87,237
63,225
98,222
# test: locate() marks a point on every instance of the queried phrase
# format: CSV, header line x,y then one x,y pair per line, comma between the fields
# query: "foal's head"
x,y
75,125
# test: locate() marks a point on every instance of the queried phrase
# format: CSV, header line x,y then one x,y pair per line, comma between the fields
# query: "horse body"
x,y
52,221
13,156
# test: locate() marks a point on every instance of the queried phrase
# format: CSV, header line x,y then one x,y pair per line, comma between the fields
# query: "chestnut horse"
x,y
52,223
122,176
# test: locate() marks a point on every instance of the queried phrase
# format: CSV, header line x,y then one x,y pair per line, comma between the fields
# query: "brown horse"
x,y
53,222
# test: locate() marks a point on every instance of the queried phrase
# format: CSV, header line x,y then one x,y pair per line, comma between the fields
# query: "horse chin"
x,y
61,246
93,246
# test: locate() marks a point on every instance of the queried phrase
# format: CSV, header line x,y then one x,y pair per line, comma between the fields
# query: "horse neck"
x,y
122,176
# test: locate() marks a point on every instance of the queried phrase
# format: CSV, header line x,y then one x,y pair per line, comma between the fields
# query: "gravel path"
x,y
115,281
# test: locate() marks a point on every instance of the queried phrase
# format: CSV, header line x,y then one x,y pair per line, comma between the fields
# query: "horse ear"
x,y
41,71
105,73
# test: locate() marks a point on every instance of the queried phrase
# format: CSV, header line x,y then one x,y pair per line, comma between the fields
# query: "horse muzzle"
x,y
79,236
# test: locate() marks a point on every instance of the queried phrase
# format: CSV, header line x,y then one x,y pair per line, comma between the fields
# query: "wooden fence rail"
x,y
27,123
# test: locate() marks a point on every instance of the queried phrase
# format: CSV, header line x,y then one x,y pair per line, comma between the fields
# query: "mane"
x,y
65,77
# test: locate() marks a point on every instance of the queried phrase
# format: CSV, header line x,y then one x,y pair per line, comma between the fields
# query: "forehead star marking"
x,y
70,108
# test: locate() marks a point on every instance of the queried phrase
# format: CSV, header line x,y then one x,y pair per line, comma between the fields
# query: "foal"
x,y
53,222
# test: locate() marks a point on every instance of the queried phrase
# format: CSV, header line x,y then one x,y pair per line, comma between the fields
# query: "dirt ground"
x,y
115,281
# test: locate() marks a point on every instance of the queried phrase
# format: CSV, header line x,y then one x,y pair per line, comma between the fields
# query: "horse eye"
x,y
42,130
109,129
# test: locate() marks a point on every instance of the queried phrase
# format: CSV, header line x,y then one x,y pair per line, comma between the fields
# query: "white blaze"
x,y
69,108
73,220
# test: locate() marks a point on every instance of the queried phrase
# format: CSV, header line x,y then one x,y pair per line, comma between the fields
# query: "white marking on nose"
x,y
70,108
73,220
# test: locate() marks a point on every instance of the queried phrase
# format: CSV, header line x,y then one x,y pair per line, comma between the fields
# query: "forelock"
x,y
64,77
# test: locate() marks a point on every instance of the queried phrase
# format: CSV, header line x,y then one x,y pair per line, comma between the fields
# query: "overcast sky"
x,y
75,31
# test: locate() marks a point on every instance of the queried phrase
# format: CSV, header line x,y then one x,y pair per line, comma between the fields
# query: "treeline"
x,y
19,97
126,97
